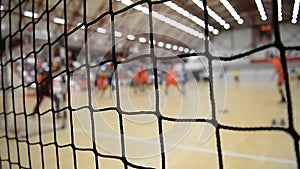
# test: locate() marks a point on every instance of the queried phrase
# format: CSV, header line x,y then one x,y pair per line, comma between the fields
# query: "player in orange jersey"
x,y
279,72
140,79
102,82
171,80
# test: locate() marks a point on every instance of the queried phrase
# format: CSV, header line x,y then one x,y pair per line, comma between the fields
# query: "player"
x,y
298,76
110,76
236,76
185,78
102,82
280,77
140,79
44,89
171,80
59,83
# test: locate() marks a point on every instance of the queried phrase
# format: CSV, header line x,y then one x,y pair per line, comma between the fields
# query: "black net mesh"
x,y
33,123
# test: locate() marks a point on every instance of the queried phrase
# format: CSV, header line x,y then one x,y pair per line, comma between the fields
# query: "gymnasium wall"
x,y
236,41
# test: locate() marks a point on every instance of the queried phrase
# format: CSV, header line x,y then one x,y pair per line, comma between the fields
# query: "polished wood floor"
x,y
251,103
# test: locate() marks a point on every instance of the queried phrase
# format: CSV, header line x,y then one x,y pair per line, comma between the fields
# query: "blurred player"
x,y
44,89
102,82
236,76
279,72
298,76
140,79
185,78
59,83
71,60
110,76
171,80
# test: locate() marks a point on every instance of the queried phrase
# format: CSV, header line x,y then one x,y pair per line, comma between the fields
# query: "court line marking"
x,y
205,150
185,147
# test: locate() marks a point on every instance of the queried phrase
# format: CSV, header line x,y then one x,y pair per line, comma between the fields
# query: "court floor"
x,y
187,145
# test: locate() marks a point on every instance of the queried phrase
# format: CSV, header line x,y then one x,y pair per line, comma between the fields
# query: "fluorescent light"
x,y
126,2
170,21
177,8
240,21
261,10
130,37
145,10
226,26
82,27
168,46
1,7
180,49
279,2
178,25
232,11
142,39
160,44
175,47
30,14
59,20
154,42
118,34
101,30
211,13
264,18
215,31
186,50
295,12
192,51
138,7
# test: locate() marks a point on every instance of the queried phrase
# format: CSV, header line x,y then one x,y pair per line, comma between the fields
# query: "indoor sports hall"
x,y
166,84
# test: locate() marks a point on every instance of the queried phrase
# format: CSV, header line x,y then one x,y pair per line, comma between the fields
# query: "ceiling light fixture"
x,y
279,2
82,27
295,12
180,49
186,50
261,10
30,14
101,30
211,13
154,42
168,46
192,51
118,34
186,14
175,47
165,19
142,39
130,37
160,44
232,11
59,20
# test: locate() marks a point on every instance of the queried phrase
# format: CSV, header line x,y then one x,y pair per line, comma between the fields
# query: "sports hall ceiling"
x,y
134,21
